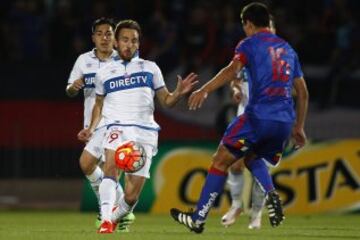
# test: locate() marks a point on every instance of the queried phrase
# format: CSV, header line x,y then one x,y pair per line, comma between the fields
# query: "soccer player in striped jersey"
x,y
125,91
235,181
268,120
82,79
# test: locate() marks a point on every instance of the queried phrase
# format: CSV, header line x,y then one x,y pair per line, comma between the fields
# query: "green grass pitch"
x,y
29,225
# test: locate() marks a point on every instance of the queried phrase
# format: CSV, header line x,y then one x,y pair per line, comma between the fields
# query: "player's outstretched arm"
x,y
302,98
73,89
225,75
96,112
85,134
184,86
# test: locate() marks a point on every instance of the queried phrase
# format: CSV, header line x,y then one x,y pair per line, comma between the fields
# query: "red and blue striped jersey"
x,y
272,65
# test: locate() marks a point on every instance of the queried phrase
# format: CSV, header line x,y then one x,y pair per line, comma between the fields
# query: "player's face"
x,y
127,43
103,38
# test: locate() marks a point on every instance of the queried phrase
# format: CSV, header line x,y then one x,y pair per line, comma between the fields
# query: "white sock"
x,y
95,179
122,210
257,198
236,183
107,192
119,194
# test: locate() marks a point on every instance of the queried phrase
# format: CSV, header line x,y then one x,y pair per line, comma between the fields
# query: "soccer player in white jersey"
x,y
82,78
125,98
235,181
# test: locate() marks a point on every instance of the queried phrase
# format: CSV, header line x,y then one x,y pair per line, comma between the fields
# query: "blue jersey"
x,y
272,65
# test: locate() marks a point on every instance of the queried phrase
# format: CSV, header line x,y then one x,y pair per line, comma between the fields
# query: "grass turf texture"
x,y
30,225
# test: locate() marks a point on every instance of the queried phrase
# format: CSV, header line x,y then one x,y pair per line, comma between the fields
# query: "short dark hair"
x,y
127,23
101,21
257,13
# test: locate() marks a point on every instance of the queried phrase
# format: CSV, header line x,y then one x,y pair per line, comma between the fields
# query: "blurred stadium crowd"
x,y
174,30
193,34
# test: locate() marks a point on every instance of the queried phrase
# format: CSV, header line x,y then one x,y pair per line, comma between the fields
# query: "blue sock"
x,y
259,170
213,187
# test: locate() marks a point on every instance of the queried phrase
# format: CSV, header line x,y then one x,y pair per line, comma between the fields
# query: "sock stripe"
x,y
217,172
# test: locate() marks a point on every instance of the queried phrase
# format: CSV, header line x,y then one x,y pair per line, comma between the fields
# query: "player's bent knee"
x,y
220,163
237,167
87,163
110,170
222,159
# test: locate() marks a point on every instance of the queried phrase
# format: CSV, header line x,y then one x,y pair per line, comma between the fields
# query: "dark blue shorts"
x,y
266,138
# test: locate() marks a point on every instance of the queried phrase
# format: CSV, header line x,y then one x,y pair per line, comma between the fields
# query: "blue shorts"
x,y
266,138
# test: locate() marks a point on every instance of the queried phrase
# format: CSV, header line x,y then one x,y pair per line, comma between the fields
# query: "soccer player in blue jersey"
x,y
268,120
235,181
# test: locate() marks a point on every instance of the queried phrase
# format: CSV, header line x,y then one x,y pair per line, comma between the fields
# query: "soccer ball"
x,y
130,157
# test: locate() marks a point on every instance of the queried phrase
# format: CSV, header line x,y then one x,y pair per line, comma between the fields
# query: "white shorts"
x,y
116,135
95,144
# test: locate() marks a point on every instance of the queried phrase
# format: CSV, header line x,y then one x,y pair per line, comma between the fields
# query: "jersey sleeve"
x,y
76,72
242,52
158,79
297,68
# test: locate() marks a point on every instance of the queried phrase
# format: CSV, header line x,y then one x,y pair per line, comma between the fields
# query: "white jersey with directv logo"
x,y
129,90
86,66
